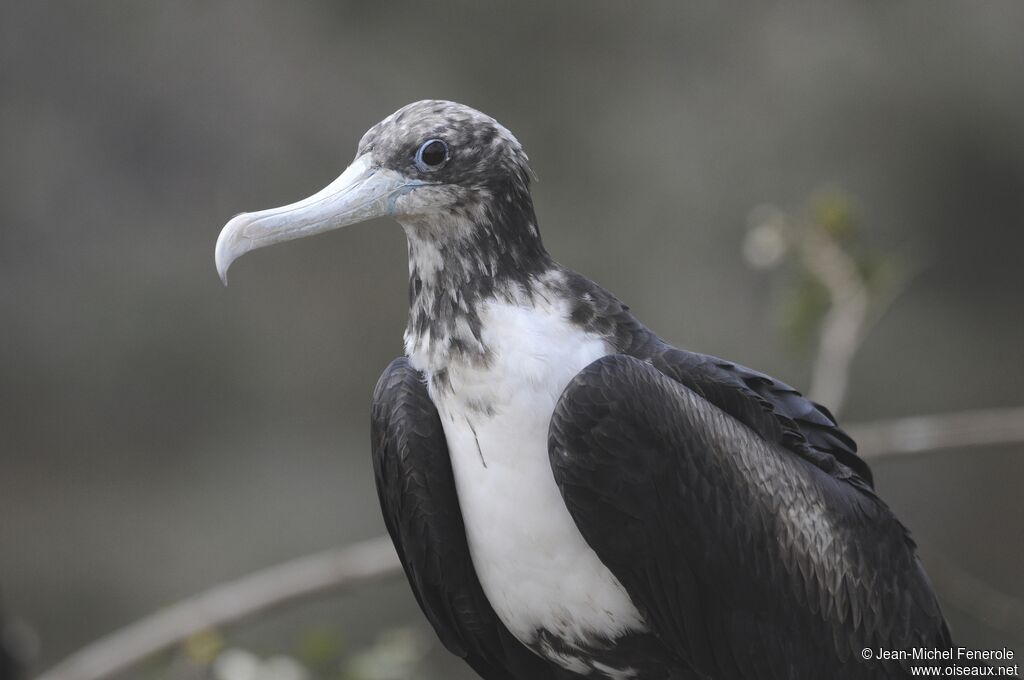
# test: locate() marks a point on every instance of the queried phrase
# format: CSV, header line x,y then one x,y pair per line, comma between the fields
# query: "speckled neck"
x,y
457,262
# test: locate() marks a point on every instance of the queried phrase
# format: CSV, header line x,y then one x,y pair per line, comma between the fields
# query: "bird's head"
x,y
448,173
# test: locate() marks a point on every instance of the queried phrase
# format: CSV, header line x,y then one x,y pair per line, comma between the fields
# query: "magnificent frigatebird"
x,y
570,495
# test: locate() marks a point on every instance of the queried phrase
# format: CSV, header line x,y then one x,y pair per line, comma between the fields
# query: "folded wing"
x,y
752,553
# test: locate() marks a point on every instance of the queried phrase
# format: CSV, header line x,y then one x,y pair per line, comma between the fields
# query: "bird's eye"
x,y
432,155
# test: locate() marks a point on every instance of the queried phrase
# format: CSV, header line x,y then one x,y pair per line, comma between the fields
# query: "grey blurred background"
x,y
160,433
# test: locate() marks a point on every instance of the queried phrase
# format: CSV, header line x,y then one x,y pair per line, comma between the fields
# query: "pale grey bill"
x,y
360,193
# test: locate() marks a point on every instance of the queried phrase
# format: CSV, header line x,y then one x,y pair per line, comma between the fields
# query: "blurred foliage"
x,y
321,649
396,655
321,654
203,647
832,211
805,303
779,240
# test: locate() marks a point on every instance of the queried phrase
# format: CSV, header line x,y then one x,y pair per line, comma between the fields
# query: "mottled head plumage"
x,y
471,225
484,154
459,184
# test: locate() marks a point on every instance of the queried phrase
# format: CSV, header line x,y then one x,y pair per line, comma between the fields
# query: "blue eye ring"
x,y
432,155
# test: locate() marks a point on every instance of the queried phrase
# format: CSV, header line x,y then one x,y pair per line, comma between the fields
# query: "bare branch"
x,y
333,570
927,434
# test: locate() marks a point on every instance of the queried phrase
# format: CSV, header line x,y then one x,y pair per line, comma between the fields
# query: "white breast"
x,y
535,567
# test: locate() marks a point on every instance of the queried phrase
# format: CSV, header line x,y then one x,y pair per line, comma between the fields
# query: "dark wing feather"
x,y
418,499
747,560
771,408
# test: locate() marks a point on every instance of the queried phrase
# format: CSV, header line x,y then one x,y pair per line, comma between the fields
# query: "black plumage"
x,y
691,477
748,560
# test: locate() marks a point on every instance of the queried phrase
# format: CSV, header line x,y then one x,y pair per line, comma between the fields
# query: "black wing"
x,y
421,510
747,560
771,408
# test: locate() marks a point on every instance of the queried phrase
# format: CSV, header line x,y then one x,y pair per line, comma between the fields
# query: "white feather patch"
x,y
535,567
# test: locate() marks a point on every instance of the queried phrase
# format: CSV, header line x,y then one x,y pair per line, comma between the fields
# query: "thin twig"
x,y
333,570
842,329
854,306
928,434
